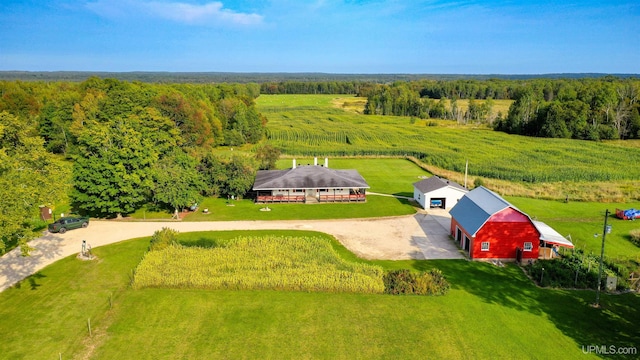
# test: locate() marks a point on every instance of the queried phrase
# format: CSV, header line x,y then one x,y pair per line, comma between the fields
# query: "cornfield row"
x,y
251,263
325,131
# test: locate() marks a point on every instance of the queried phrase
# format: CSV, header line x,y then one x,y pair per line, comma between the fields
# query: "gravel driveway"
x,y
419,236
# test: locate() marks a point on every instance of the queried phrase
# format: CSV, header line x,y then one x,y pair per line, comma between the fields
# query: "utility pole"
x,y
604,234
466,170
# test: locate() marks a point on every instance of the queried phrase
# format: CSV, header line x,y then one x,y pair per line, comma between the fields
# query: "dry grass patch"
x,y
598,191
258,263
352,104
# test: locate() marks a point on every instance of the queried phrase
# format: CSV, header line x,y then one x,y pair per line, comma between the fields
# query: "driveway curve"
x,y
420,236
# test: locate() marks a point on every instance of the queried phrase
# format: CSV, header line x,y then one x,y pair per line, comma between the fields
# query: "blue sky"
x,y
333,36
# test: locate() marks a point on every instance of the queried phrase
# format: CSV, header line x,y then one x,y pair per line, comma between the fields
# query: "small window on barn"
x,y
484,246
528,246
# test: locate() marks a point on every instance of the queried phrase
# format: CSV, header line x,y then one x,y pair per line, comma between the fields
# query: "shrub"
x,y
575,270
163,238
478,182
403,281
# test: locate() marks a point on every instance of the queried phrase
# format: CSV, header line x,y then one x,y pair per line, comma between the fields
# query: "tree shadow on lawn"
x,y
14,268
505,286
614,324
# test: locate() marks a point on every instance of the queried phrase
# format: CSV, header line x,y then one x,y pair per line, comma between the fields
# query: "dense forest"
x,y
590,109
125,144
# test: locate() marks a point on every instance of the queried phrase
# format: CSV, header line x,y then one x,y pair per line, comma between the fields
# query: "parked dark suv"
x,y
67,223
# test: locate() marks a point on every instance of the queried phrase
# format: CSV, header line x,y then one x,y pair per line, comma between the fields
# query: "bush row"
x,y
576,270
405,282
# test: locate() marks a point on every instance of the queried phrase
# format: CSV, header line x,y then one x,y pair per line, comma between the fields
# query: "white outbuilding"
x,y
435,192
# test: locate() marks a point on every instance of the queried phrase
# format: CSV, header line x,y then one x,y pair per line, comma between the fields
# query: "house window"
x,y
484,246
528,246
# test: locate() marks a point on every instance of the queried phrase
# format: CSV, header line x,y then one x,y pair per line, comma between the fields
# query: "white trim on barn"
x,y
438,192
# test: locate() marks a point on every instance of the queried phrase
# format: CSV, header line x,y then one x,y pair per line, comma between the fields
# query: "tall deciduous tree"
x,y
228,177
29,177
113,177
267,155
177,182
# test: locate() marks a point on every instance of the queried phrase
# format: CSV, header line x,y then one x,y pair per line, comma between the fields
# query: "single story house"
x,y
489,227
438,192
310,183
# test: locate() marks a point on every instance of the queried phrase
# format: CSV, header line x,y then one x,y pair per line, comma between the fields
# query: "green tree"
x,y
241,173
113,176
177,182
56,119
267,155
554,123
29,177
228,177
211,168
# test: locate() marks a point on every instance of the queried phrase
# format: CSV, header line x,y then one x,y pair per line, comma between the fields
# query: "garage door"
x,y
437,203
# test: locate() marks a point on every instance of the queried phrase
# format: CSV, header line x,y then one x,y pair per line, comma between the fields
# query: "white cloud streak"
x,y
212,13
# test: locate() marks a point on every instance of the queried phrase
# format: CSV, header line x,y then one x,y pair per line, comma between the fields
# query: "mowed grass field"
x,y
384,175
490,313
315,125
582,221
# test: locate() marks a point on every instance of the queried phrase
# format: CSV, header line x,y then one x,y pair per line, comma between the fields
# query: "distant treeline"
x,y
272,77
313,87
592,109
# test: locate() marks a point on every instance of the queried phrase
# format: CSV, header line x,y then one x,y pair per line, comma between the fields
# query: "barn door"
x,y
519,255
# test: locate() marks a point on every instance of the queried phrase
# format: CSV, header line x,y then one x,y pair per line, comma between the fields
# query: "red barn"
x,y
489,227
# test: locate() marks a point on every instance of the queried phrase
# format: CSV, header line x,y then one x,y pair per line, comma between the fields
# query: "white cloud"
x,y
212,13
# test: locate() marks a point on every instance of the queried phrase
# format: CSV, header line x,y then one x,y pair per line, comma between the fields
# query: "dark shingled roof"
x,y
435,183
308,177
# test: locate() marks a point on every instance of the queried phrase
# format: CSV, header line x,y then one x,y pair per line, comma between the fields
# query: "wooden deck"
x,y
280,199
342,198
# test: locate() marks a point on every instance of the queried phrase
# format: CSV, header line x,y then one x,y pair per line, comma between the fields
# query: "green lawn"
x,y
375,206
490,313
582,220
384,175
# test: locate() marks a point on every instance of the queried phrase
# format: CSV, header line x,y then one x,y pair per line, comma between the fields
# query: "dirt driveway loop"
x,y
419,236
